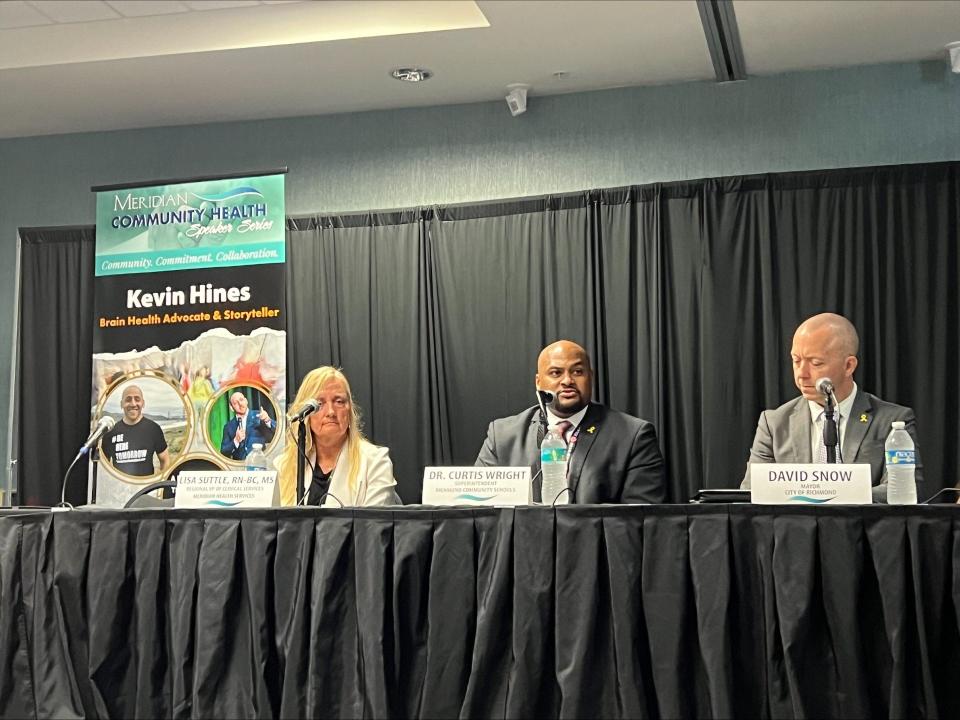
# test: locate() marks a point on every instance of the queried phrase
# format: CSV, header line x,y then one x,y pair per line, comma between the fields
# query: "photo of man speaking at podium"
x,y
246,428
132,443
612,457
825,346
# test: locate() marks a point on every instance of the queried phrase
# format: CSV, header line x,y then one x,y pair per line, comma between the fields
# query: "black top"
x,y
319,486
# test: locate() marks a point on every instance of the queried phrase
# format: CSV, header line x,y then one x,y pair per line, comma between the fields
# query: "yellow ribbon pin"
x,y
864,418
592,429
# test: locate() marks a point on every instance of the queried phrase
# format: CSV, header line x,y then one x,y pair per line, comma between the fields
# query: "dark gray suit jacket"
x,y
616,458
783,436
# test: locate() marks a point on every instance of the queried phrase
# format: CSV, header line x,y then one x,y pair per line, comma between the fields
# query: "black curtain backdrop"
x,y
55,361
686,295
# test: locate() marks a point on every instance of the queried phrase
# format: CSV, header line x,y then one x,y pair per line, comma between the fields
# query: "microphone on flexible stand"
x,y
308,408
545,399
825,386
104,425
830,435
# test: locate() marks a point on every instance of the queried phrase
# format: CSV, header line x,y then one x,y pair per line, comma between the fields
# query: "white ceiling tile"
x,y
70,11
147,8
17,14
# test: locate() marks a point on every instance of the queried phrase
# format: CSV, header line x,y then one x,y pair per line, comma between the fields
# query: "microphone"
x,y
308,408
104,425
545,398
825,386
831,436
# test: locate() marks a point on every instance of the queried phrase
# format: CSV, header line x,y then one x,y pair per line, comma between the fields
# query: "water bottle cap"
x,y
898,424
259,446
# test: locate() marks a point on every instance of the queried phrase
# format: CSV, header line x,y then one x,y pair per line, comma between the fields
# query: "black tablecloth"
x,y
604,611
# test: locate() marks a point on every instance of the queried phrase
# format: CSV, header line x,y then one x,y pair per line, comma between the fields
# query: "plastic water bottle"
x,y
256,460
901,466
553,464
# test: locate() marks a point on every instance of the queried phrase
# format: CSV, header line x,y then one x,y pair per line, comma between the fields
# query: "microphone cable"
x,y
63,484
303,503
554,503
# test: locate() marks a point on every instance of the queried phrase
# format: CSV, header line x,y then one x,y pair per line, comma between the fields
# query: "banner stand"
x,y
189,328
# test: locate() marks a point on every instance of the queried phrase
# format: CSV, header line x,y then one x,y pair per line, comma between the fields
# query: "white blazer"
x,y
375,482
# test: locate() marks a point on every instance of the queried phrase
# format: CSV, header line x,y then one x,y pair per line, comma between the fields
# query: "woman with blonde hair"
x,y
340,461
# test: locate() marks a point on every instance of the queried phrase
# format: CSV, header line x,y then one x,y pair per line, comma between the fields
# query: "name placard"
x,y
500,486
800,484
218,489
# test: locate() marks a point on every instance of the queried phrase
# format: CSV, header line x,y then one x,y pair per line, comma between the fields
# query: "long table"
x,y
590,611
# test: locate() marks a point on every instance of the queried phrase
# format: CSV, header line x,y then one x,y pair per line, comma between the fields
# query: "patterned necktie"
x,y
562,427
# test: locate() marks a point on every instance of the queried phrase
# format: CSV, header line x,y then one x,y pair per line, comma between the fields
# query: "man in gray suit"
x,y
613,457
826,346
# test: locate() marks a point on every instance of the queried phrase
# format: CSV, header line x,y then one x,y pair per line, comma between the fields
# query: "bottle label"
x,y
901,457
548,455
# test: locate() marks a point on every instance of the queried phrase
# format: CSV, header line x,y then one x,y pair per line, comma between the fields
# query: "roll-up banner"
x,y
189,329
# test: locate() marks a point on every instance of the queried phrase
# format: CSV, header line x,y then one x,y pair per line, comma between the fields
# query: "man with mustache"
x,y
612,457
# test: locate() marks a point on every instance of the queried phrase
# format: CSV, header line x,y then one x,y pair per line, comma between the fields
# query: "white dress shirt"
x,y
816,430
574,420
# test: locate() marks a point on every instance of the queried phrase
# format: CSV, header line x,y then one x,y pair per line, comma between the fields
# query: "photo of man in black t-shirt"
x,y
133,442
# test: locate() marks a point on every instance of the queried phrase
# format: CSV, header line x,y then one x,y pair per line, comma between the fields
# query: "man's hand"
x,y
264,417
240,435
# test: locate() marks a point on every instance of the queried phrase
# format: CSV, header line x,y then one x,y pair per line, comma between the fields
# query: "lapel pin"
x,y
592,429
864,418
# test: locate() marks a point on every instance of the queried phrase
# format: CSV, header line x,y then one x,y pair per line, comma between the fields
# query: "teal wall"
x,y
874,115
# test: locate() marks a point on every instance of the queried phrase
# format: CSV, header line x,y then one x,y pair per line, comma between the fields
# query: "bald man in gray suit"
x,y
826,346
